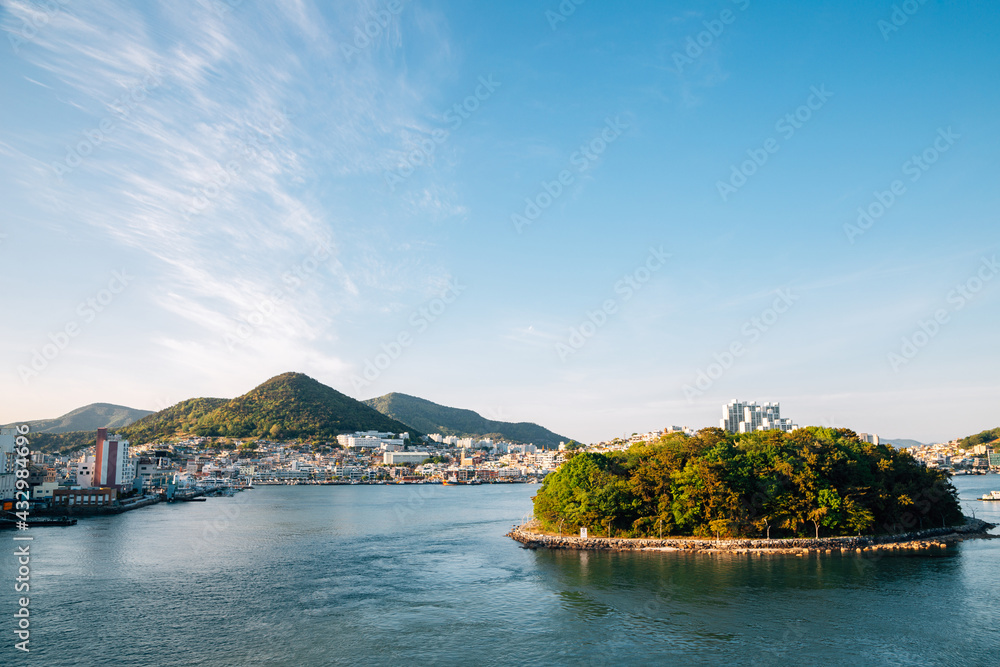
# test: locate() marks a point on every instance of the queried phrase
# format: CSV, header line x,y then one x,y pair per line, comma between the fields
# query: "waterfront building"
x,y
113,465
104,496
741,417
44,491
393,458
8,462
85,471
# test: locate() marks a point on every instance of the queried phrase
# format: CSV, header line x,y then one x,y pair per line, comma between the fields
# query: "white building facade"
x,y
742,417
8,462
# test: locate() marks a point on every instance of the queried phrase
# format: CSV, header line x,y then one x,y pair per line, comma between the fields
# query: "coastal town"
x,y
958,458
113,475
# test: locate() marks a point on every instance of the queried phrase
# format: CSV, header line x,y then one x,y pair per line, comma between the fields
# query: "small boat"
x,y
992,495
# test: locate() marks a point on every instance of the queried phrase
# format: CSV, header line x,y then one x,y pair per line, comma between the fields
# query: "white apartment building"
x,y
740,417
392,458
8,462
85,472
371,439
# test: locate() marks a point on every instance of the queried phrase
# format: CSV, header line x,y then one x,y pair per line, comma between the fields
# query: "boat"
x,y
454,481
992,495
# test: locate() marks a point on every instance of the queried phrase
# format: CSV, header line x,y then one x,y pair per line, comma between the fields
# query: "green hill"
x,y
183,418
983,438
809,482
289,406
89,418
62,443
902,442
429,417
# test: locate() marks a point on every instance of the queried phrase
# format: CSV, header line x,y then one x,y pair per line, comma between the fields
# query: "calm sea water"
x,y
424,574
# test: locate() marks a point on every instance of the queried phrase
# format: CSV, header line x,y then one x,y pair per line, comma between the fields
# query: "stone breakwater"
x,y
923,539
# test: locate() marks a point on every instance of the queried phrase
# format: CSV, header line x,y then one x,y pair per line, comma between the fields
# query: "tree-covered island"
x,y
809,482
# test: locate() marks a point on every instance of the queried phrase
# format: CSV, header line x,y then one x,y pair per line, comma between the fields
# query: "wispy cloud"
x,y
208,169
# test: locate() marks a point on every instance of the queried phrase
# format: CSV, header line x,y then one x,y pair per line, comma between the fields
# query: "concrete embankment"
x,y
923,539
83,510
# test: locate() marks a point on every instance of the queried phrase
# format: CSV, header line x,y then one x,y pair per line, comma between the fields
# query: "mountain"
x,y
899,443
291,405
989,437
429,417
89,418
183,417
62,443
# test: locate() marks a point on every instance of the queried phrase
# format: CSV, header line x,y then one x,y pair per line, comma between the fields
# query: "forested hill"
x,y
767,483
88,418
291,405
429,417
983,438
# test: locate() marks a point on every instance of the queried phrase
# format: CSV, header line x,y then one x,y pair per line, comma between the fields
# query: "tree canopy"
x,y
285,407
811,481
983,438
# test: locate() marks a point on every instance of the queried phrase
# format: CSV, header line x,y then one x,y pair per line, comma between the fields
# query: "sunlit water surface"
x,y
424,574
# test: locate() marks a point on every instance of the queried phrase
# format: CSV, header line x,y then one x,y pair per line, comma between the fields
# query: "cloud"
x,y
213,128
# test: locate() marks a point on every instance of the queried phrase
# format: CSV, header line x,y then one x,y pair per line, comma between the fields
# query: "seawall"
x,y
922,539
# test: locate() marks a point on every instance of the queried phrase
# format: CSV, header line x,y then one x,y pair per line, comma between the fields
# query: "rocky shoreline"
x,y
918,540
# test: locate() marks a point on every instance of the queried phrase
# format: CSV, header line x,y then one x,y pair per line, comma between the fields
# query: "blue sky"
x,y
241,190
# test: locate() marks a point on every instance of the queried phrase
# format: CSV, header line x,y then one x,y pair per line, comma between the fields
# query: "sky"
x,y
600,217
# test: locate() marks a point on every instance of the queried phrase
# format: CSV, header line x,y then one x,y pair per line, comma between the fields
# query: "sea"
x,y
413,574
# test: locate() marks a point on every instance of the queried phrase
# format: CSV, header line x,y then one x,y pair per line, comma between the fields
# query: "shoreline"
x,y
917,540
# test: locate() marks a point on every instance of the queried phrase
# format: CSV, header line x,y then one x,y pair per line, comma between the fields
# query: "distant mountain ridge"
x,y
429,417
89,418
288,406
900,443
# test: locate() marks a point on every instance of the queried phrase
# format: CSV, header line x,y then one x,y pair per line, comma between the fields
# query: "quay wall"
x,y
922,539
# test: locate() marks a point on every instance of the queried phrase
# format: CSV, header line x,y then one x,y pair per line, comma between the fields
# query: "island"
x,y
807,488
